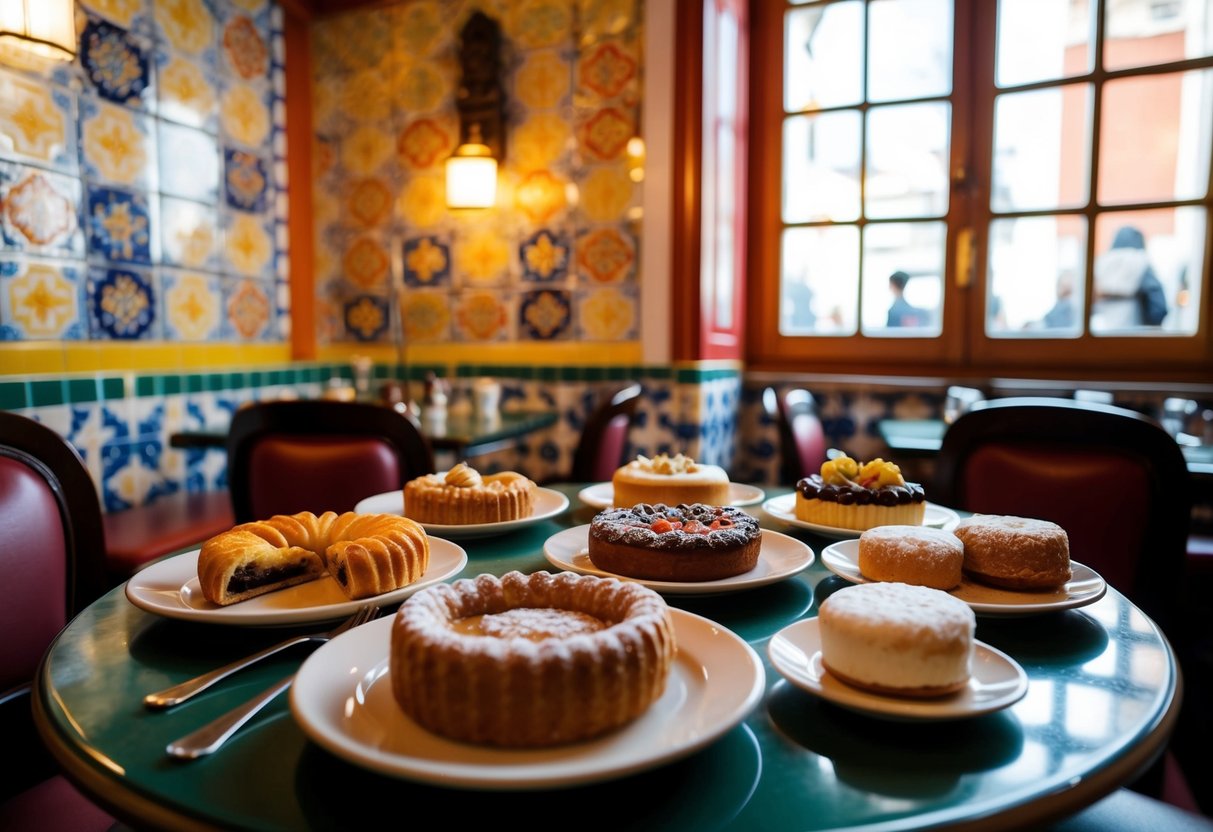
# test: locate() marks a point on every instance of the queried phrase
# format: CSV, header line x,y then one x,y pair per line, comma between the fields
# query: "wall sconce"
x,y
471,172
46,28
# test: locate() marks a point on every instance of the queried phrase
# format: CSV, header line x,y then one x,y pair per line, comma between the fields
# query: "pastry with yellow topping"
x,y
848,494
463,496
673,480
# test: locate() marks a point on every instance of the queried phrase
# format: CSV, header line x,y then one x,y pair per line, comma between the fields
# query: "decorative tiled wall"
x,y
557,260
142,187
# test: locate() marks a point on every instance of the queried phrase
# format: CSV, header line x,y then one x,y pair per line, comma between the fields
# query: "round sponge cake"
x,y
1015,552
672,480
917,555
899,639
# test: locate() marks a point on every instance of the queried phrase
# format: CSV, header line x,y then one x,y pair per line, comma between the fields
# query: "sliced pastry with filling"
x,y
671,480
366,554
463,496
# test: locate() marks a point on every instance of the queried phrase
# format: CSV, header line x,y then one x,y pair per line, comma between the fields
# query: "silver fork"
x,y
211,736
179,693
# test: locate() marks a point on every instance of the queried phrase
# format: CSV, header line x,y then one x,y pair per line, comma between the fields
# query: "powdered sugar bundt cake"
x,y
530,660
894,638
675,543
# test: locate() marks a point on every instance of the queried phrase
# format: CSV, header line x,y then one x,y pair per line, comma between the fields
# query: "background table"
x,y
1103,697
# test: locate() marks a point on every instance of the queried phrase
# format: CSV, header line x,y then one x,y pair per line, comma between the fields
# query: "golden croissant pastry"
x,y
367,554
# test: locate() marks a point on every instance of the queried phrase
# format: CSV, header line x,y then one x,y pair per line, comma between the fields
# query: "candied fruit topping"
x,y
666,464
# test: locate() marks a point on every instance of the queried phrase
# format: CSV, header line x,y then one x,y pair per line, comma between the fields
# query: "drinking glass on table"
x,y
959,401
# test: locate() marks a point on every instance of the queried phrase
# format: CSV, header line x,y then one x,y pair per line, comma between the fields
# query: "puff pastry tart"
x,y
366,554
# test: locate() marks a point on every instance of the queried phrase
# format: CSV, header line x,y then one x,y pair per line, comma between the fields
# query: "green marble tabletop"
x,y
1103,695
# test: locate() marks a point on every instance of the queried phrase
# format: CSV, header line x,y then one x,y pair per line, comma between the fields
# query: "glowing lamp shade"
x,y
471,177
45,28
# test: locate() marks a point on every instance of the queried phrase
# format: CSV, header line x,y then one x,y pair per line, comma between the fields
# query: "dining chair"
x,y
802,438
314,455
604,439
52,554
1111,477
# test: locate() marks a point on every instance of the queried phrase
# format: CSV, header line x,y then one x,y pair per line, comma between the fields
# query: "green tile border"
x,y
14,395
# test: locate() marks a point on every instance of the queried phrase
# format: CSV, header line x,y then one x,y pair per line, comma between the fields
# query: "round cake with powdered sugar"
x,y
917,555
530,660
1015,552
899,639
682,543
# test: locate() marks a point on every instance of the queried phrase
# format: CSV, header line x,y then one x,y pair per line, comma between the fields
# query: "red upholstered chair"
x,y
604,439
1111,477
290,456
802,438
52,556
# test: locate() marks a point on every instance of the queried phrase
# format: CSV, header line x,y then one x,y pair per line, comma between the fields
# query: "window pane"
x,y
907,165
823,56
1167,243
1144,33
821,167
909,49
827,259
911,304
1041,149
1042,40
1154,134
1036,268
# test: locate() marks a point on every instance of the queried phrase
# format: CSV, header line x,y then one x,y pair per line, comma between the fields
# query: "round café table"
x,y
1103,696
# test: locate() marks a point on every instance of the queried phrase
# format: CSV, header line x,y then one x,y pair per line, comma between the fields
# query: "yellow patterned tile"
x,y
326,97
364,150
421,87
186,24
539,141
366,263
482,256
366,96
121,12
607,315
482,316
426,316
599,18
540,196
247,244
244,115
30,123
423,202
192,307
426,142
42,301
543,80
369,202
606,193
185,93
422,25
538,23
115,146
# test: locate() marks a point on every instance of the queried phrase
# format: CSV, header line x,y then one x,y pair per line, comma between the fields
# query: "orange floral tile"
x,y
607,315
245,48
426,316
366,263
365,150
543,80
605,134
482,316
369,202
605,255
608,70
426,143
249,309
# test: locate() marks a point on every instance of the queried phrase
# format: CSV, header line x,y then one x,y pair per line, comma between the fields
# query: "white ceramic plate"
x,y
342,700
779,557
170,588
1085,586
783,508
997,680
602,495
548,503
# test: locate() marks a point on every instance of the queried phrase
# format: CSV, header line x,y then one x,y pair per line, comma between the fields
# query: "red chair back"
x,y
1112,478
604,439
802,438
290,456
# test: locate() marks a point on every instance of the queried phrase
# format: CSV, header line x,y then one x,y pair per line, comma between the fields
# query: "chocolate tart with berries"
x,y
684,543
850,495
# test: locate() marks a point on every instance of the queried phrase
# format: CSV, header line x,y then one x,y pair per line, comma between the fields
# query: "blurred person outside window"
x,y
1061,315
901,311
1127,292
798,295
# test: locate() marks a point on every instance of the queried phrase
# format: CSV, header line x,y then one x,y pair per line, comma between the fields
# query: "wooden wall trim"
x,y
297,35
687,208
